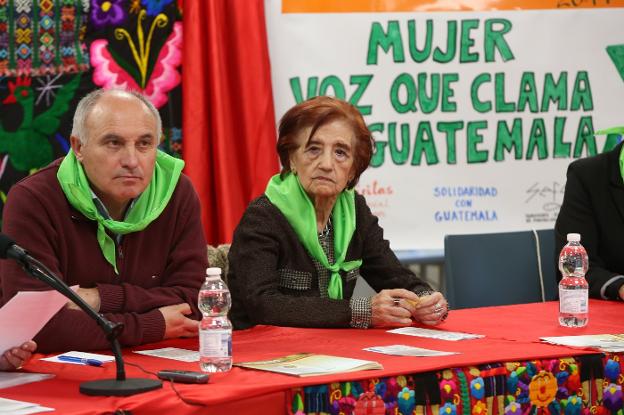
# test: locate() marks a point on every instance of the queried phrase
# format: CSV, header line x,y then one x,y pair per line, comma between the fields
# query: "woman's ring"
x,y
396,302
440,312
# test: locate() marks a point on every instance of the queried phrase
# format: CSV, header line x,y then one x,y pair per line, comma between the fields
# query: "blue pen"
x,y
90,362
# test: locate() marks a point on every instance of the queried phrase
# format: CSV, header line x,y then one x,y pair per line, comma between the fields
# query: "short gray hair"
x,y
86,104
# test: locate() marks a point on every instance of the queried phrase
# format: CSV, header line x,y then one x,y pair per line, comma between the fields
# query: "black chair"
x,y
500,268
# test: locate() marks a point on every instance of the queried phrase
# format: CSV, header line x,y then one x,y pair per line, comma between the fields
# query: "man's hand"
x,y
90,295
393,308
15,357
176,322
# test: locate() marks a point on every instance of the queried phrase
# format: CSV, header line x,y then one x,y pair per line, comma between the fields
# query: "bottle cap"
x,y
213,272
574,237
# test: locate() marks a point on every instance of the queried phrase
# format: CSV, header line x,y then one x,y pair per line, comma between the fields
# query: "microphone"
x,y
121,386
9,249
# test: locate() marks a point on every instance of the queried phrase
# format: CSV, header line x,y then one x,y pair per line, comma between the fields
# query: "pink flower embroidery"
x,y
165,76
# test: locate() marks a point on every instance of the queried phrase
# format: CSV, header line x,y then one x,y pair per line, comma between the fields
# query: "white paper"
x,y
174,353
104,358
404,350
435,334
9,406
8,379
605,342
25,314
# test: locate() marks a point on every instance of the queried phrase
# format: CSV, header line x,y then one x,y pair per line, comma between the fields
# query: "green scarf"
x,y
615,131
290,198
148,206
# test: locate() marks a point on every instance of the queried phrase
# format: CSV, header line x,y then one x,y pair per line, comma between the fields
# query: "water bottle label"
x,y
572,301
215,343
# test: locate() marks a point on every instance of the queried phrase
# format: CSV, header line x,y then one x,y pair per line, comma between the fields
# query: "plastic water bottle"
x,y
573,288
215,329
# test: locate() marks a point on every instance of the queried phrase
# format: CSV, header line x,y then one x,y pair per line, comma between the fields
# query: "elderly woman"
x,y
299,248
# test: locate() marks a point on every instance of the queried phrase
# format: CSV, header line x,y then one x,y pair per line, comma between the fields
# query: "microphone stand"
x,y
121,386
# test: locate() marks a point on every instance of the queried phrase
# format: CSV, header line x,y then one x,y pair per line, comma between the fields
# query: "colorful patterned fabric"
x,y
145,53
42,37
47,42
25,139
590,384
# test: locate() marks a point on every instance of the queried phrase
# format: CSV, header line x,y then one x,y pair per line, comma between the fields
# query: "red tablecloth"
x,y
512,334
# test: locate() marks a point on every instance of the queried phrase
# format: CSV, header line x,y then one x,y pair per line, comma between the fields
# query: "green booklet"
x,y
310,364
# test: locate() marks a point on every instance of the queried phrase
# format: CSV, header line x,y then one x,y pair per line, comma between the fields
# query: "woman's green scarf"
x,y
147,207
290,198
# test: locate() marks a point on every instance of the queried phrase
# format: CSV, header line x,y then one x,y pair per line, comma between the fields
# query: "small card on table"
x,y
404,350
435,334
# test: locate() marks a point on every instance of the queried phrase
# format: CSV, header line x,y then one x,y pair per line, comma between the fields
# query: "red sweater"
x,y
162,265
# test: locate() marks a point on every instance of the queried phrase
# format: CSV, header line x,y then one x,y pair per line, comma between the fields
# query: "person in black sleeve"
x,y
593,205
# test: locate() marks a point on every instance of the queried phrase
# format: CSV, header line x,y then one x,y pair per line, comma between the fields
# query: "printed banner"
x,y
476,113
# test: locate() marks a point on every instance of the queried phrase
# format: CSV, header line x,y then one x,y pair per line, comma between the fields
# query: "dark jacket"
x,y
273,280
162,265
593,205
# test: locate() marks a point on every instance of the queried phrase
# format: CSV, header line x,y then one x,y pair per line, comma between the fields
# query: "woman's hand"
x,y
16,357
393,308
431,309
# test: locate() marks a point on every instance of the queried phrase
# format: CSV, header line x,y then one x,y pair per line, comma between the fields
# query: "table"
x,y
510,345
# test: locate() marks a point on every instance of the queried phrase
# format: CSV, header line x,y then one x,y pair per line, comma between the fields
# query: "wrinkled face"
x,y
325,163
119,153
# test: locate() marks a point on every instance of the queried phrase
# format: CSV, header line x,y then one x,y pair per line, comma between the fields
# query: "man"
x,y
116,217
593,205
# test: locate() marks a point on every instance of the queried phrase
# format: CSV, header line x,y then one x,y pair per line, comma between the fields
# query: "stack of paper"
x,y
9,406
605,342
8,379
182,355
309,364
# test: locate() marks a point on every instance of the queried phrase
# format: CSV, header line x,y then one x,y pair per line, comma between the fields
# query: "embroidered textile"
x,y
590,384
42,37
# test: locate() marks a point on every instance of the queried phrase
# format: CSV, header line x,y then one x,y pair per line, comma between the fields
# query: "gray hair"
x,y
86,104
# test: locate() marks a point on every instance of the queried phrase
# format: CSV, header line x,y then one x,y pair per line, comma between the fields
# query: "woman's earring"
x,y
293,170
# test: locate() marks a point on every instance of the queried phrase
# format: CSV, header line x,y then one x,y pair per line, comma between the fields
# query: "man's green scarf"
x,y
147,207
291,199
